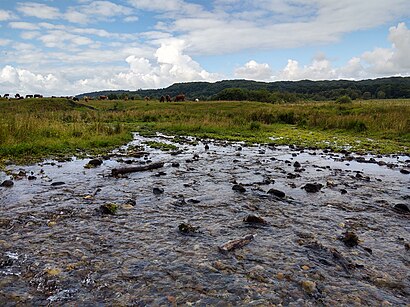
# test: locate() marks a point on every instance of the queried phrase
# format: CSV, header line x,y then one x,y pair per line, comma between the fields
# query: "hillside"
x,y
393,87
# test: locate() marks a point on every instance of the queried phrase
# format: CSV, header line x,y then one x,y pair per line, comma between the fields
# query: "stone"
x,y
402,208
277,193
254,219
7,183
95,162
175,164
312,187
157,191
109,208
404,171
57,183
238,188
308,286
187,228
297,164
350,239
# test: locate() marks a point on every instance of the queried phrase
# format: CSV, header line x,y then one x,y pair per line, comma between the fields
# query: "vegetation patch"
x,y
161,146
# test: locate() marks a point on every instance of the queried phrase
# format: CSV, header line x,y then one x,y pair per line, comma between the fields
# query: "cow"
x,y
29,96
76,99
168,98
146,98
103,97
6,96
17,96
162,99
38,96
180,97
196,100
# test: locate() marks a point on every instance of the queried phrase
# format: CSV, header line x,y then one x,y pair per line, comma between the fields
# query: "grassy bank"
x,y
34,128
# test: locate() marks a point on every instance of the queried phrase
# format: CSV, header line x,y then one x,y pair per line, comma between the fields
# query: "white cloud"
x,y
254,71
38,10
4,42
21,25
6,15
62,39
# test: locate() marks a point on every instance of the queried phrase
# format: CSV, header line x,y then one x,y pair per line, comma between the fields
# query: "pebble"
x,y
7,183
312,187
157,191
251,218
308,286
238,188
277,193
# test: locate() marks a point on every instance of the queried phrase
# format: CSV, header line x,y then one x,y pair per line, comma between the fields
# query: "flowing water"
x,y
57,247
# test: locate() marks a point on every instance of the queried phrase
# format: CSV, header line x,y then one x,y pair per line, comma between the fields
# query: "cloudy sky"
x,y
56,47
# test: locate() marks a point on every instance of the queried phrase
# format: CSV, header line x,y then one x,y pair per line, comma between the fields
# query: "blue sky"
x,y
69,47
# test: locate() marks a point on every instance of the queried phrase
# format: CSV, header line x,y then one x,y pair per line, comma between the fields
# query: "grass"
x,y
32,129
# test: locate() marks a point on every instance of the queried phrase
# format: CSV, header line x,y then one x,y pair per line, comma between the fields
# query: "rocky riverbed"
x,y
207,223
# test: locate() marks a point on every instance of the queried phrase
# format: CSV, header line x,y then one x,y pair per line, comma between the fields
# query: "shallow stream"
x,y
57,247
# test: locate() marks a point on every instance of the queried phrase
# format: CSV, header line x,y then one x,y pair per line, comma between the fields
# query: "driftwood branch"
x,y
126,170
238,243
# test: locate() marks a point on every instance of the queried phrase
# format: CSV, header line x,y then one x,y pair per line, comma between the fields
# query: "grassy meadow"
x,y
32,129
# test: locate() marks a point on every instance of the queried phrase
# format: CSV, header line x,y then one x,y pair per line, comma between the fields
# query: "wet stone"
x,y
239,188
297,164
277,193
157,191
404,171
343,191
402,208
312,187
31,177
57,183
7,183
109,209
254,219
175,164
350,239
187,228
95,162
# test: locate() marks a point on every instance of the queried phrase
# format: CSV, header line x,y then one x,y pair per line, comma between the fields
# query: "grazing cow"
x,y
147,98
17,96
38,96
168,98
53,96
29,96
76,99
103,97
180,97
196,100
6,96
162,99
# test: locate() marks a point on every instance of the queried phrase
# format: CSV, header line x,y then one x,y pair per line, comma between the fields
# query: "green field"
x,y
32,129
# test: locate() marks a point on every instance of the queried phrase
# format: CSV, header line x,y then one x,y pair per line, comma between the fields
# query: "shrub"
x,y
344,99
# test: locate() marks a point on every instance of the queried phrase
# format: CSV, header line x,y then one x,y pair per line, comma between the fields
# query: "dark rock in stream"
x,y
175,164
109,209
312,187
402,208
404,171
95,162
157,191
235,244
239,188
31,177
297,164
57,183
254,219
277,193
7,184
350,239
187,228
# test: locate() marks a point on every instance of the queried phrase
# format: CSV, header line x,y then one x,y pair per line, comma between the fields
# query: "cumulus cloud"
x,y
38,10
254,71
6,15
21,25
168,65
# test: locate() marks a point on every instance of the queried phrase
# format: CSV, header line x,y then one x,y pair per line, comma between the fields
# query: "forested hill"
x,y
393,87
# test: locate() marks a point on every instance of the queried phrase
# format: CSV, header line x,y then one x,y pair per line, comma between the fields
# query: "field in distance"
x,y
32,129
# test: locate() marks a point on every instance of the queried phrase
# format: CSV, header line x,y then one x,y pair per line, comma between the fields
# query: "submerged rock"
x,y
109,208
350,239
238,188
187,228
277,193
404,171
157,191
312,187
7,183
254,219
402,208
57,183
93,163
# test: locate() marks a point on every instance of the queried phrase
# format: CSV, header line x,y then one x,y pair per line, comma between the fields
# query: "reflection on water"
x,y
56,247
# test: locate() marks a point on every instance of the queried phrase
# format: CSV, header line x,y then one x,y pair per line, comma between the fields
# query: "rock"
x,y
292,176
312,187
297,164
95,162
159,174
350,239
109,208
187,228
238,188
130,202
57,183
254,219
193,201
308,286
402,208
31,177
206,146
157,191
7,183
343,191
277,193
175,164
238,243
404,171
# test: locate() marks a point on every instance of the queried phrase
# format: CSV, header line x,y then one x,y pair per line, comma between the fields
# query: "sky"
x,y
69,47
